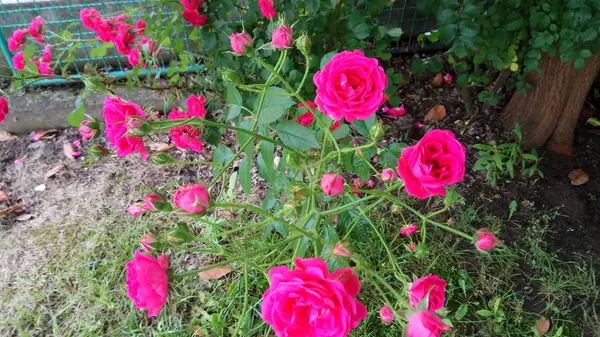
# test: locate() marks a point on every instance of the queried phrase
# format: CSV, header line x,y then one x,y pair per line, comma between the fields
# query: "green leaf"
x,y
516,24
461,312
78,115
396,32
341,132
362,31
326,58
245,176
446,16
296,136
28,52
418,66
99,51
579,63
585,53
234,99
222,155
436,64
363,126
448,33
451,198
166,42
274,107
484,313
512,207
265,161
361,168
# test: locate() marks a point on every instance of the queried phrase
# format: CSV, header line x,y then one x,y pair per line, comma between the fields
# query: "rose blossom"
x,y
310,104
90,18
194,18
146,241
36,29
19,61
353,187
44,68
118,116
448,78
267,8
152,198
195,105
125,38
3,109
486,240
192,198
388,175
147,282
239,41
438,159
432,285
136,209
350,86
17,40
341,249
86,132
409,230
426,324
386,314
140,26
282,37
134,57
336,125
309,301
306,119
332,184
185,136
47,54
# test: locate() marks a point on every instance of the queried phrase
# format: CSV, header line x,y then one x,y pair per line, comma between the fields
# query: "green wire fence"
x,y
63,15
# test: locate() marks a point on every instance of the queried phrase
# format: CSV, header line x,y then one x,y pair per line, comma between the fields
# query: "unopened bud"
x,y
304,44
377,131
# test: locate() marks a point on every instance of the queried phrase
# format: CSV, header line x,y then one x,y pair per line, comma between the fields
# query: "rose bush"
x,y
322,165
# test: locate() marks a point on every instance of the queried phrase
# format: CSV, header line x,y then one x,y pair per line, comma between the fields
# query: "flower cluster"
x,y
16,42
191,12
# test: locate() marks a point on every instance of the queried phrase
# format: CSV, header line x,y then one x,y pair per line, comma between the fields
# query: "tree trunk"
x,y
549,111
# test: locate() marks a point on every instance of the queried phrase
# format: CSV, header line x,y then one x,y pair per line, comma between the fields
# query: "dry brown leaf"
x,y
437,113
3,196
542,326
438,80
44,134
69,150
214,273
12,209
24,217
160,147
54,170
6,136
579,177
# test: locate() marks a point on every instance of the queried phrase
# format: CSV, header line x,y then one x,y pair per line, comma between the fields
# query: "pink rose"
x,y
350,86
341,249
140,27
438,159
267,8
388,175
44,68
448,78
194,18
309,301
148,45
136,209
47,54
192,198
147,282
90,18
185,136
17,40
306,119
86,132
118,115
282,37
146,241
125,38
486,240
3,109
134,57
335,125
432,285
106,30
426,324
191,4
386,314
239,41
150,199
409,230
332,184
19,61
36,29
195,105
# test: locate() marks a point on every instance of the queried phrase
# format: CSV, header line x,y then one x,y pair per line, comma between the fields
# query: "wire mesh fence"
x,y
63,15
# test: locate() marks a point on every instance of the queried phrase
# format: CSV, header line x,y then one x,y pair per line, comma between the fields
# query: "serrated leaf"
x,y
274,107
341,132
296,136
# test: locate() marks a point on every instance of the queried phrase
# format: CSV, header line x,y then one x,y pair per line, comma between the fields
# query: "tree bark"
x,y
549,111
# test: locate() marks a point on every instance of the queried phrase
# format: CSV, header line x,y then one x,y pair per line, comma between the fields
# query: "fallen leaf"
x,y
6,136
54,170
40,188
438,80
24,217
214,273
12,209
542,326
579,177
69,150
437,113
43,134
160,147
3,196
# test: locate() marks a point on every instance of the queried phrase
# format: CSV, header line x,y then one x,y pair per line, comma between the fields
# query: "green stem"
x,y
339,209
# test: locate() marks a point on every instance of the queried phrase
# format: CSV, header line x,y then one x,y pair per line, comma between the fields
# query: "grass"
x,y
79,288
